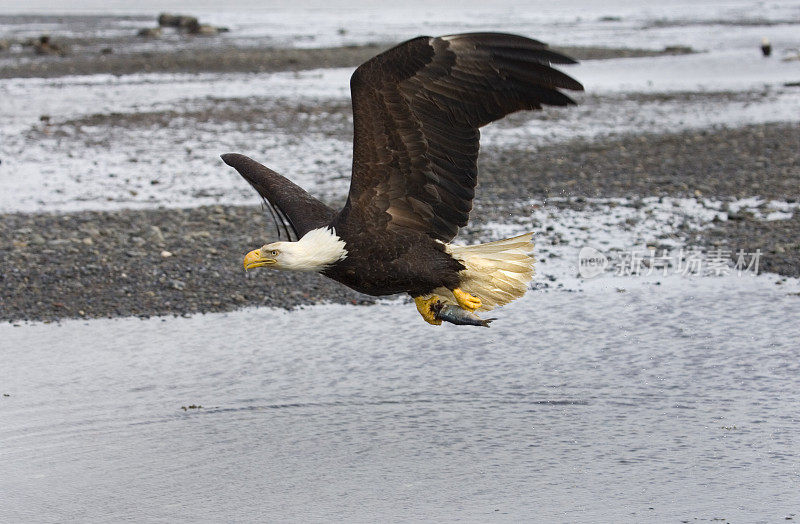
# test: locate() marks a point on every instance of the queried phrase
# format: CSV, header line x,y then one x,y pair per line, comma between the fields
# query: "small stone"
x,y
90,230
166,254
149,32
37,239
178,284
206,30
155,235
88,241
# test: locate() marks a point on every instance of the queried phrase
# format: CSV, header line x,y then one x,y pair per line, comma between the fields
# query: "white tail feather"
x,y
496,272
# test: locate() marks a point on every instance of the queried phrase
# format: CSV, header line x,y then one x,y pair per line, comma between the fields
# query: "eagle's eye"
x,y
274,253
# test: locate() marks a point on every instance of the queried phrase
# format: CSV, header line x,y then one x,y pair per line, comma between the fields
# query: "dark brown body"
x,y
404,261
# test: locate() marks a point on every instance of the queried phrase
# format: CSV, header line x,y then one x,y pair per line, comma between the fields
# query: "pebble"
x,y
155,235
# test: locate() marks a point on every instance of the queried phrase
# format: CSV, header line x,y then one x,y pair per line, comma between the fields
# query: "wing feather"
x,y
417,110
290,205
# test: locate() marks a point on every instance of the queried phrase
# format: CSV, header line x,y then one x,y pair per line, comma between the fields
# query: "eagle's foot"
x,y
466,301
425,308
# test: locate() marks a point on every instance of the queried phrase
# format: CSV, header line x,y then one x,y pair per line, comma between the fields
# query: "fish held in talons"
x,y
455,315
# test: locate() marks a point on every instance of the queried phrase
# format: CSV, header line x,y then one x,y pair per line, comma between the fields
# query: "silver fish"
x,y
455,315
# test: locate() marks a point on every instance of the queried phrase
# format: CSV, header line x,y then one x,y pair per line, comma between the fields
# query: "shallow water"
x,y
665,402
111,166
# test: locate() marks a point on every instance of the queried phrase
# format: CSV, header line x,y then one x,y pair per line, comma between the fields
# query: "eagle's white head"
x,y
316,250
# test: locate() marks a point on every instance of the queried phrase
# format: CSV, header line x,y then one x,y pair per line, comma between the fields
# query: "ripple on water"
x,y
574,405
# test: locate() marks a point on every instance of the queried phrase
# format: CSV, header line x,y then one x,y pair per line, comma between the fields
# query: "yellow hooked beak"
x,y
254,259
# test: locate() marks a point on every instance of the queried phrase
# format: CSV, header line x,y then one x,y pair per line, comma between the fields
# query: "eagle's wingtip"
x,y
228,158
237,160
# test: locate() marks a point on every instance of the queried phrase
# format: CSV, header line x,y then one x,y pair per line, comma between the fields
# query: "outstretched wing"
x,y
417,108
294,207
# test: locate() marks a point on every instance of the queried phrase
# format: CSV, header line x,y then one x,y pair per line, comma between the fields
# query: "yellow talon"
x,y
424,308
466,301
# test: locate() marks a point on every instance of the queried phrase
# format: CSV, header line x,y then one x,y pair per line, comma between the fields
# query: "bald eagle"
x,y
417,110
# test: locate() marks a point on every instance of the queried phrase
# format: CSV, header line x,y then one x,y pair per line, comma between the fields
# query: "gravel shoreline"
x,y
184,261
144,262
